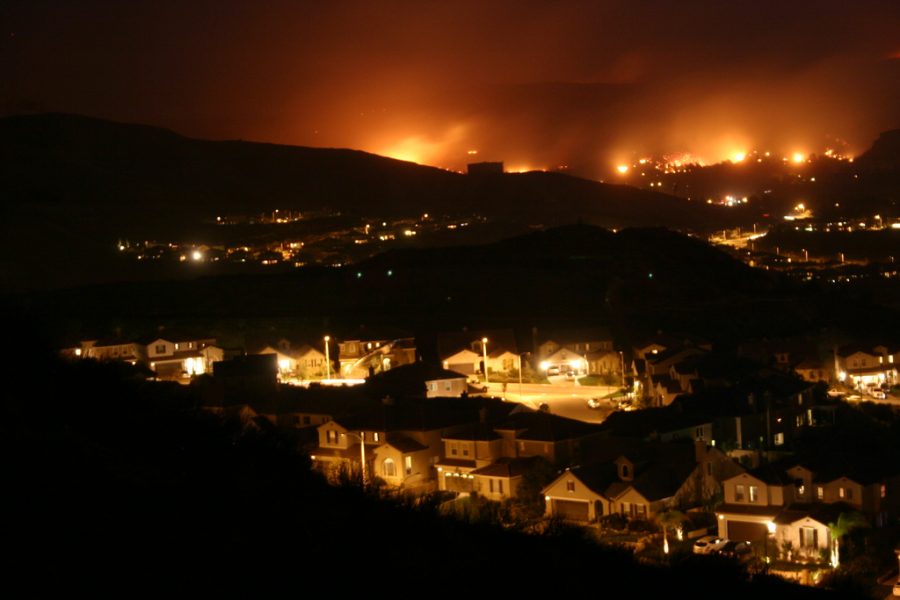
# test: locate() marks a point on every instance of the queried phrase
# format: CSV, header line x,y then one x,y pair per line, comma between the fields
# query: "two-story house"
x,y
863,367
640,483
177,356
361,358
112,349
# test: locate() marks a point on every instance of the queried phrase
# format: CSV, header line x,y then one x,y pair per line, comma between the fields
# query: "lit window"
x,y
820,493
376,436
570,486
808,537
388,468
883,491
842,492
331,436
754,493
739,493
407,464
779,439
801,490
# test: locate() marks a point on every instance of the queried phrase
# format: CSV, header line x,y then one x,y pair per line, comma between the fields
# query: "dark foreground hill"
x,y
114,485
71,186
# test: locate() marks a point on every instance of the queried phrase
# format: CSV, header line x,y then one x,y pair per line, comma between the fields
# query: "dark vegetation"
x,y
638,280
114,484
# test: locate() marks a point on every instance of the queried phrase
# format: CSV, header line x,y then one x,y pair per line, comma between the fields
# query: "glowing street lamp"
x,y
484,342
327,358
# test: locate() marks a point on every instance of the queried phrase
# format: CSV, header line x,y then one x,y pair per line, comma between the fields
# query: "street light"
x,y
327,359
484,342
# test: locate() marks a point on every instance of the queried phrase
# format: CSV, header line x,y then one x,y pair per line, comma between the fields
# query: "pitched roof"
x,y
546,427
651,421
471,431
404,444
597,477
507,467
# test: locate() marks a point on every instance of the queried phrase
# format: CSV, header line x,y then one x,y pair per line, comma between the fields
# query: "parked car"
x,y
478,386
709,544
738,550
553,371
878,395
544,407
626,404
595,402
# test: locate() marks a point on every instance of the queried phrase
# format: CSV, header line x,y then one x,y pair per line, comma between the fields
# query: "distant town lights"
x,y
622,169
798,157
197,255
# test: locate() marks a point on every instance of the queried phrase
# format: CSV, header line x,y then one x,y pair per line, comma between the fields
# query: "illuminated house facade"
x,y
639,484
794,506
113,349
304,362
182,357
361,358
865,368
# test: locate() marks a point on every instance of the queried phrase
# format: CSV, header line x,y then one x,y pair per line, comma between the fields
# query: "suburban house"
x,y
794,501
580,341
303,362
864,367
558,440
500,480
565,360
403,440
465,361
466,448
176,356
474,454
814,370
464,351
582,351
761,414
640,483
112,349
578,493
361,358
604,362
419,380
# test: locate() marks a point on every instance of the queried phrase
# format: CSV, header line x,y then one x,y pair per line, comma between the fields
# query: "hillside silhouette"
x,y
73,185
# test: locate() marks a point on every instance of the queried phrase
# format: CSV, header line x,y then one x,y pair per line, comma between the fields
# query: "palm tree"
x,y
846,523
667,519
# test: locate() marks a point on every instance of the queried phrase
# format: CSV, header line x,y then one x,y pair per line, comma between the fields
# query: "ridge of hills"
x,y
72,186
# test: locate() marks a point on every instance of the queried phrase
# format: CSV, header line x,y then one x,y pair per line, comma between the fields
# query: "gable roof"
x,y
507,467
404,444
546,427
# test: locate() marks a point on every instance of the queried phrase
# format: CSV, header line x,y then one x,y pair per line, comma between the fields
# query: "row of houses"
x,y
796,499
170,355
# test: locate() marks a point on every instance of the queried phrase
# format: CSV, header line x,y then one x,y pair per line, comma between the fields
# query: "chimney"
x,y
700,449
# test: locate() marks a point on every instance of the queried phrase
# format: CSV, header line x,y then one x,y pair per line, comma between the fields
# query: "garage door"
x,y
572,510
741,531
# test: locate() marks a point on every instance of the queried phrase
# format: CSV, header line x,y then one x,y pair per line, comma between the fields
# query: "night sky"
x,y
536,84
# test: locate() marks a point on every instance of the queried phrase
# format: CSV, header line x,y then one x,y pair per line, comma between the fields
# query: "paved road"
x,y
562,398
